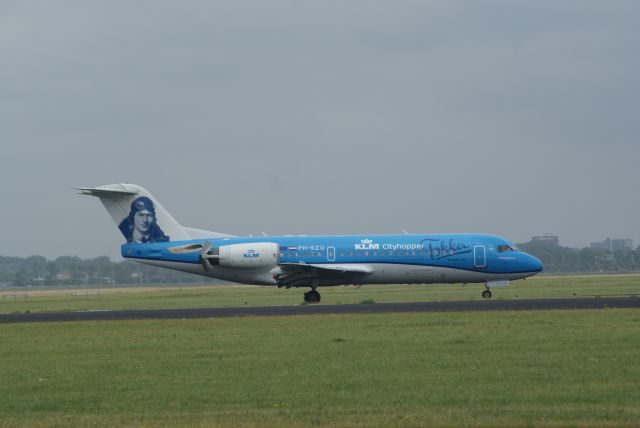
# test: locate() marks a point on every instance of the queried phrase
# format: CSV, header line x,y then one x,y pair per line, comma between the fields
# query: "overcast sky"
x,y
506,117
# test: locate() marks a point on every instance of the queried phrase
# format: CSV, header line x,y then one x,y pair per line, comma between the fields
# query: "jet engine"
x,y
252,255
249,255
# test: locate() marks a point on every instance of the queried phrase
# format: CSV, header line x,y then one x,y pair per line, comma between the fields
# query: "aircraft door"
x,y
331,254
479,256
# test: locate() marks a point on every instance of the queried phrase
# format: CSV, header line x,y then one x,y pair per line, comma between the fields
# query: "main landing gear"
x,y
312,296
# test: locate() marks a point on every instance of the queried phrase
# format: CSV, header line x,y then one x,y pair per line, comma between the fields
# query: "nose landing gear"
x,y
486,294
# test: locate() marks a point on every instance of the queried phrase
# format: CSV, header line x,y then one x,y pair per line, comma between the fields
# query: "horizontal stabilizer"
x,y
113,190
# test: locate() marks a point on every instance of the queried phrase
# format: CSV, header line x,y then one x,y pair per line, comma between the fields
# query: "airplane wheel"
x,y
486,294
312,297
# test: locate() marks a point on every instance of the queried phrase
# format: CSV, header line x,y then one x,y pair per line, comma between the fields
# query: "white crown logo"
x,y
366,241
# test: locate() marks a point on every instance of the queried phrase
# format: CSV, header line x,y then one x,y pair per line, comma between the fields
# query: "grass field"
x,y
234,295
542,368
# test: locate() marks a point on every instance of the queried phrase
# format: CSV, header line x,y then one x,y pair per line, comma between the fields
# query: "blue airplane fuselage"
x,y
405,258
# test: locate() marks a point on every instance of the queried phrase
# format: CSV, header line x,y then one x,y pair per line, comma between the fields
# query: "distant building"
x,y
546,239
611,245
619,244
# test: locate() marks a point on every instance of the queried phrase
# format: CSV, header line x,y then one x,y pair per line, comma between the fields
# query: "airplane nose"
x,y
535,265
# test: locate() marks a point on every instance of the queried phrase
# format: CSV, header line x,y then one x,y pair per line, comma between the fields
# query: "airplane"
x,y
155,238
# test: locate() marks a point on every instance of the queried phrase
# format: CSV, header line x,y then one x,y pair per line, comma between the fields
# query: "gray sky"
x,y
506,117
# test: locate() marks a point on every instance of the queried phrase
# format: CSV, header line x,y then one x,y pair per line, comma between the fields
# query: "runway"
x,y
449,306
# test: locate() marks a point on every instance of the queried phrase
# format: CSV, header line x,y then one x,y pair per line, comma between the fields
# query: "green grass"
x,y
542,368
234,295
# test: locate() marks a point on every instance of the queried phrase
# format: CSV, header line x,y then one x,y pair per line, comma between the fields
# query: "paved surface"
x,y
474,305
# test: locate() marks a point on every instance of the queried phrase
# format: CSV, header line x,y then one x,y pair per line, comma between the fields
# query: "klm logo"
x,y
251,254
367,244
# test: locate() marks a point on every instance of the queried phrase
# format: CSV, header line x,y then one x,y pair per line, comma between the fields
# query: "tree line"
x,y
70,270
563,260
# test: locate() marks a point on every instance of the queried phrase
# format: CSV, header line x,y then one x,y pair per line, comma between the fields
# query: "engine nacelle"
x,y
253,255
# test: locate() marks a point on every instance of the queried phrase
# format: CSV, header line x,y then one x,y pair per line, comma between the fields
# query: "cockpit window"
x,y
504,248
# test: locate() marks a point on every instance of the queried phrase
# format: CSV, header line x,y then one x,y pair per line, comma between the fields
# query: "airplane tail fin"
x,y
138,215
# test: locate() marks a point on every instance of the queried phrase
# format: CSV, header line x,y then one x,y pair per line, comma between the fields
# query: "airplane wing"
x,y
302,274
